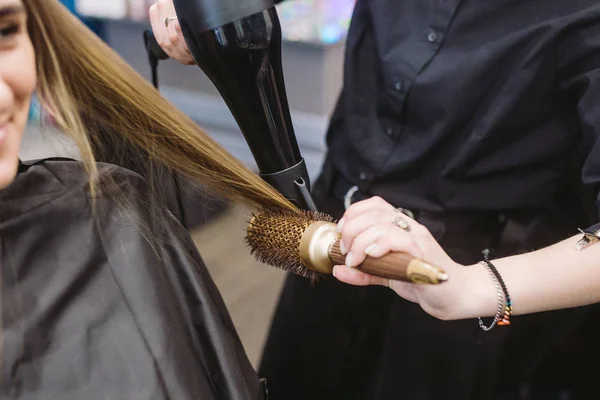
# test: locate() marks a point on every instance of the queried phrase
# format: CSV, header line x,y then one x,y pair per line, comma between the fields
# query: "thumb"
x,y
355,277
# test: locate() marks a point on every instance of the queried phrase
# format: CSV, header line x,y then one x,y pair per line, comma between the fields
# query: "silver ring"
x,y
169,19
401,222
406,211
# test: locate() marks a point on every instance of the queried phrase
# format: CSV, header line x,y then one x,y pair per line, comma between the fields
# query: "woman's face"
x,y
17,83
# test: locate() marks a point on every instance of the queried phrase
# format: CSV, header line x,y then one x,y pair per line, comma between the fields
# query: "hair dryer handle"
x,y
153,48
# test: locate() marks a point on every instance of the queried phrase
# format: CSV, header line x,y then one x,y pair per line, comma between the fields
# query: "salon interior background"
x,y
314,33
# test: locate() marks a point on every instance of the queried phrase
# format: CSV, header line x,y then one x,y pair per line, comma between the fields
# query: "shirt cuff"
x,y
594,229
590,236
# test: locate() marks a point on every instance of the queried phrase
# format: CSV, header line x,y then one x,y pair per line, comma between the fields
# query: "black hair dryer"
x,y
237,43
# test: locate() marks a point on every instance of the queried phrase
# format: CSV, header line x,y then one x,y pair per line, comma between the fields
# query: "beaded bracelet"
x,y
504,311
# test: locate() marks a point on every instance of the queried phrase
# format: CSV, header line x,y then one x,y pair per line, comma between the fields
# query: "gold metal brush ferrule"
x,y
315,246
423,273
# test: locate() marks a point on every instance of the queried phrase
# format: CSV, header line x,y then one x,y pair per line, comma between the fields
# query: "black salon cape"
x,y
110,304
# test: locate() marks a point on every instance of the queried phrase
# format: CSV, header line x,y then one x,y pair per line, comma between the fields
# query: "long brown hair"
x,y
90,90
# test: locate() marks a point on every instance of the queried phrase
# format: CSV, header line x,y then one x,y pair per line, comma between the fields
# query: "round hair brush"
x,y
307,243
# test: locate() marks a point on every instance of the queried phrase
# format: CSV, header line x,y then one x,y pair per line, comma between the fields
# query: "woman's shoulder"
x,y
54,181
71,173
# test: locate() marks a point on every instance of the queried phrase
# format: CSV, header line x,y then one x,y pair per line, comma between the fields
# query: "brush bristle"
x,y
273,237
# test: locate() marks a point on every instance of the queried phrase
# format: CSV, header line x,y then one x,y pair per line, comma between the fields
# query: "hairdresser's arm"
x,y
169,37
556,277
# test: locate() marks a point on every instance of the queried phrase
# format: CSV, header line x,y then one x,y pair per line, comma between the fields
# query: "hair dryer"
x,y
237,43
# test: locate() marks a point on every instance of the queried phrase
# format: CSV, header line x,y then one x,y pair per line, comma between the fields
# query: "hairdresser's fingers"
x,y
355,277
178,46
374,203
355,254
180,51
169,35
380,240
159,33
351,227
394,241
159,29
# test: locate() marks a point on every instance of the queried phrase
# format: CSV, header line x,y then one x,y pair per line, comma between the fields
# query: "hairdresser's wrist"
x,y
479,296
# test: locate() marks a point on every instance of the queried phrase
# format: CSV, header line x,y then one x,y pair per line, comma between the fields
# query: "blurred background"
x,y
314,33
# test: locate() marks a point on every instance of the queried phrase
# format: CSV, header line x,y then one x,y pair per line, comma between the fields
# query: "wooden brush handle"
x,y
393,266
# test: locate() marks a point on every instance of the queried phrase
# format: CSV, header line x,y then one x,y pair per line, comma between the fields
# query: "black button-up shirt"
x,y
470,105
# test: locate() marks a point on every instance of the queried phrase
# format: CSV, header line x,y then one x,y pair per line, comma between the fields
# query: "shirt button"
x,y
432,37
399,85
389,131
363,176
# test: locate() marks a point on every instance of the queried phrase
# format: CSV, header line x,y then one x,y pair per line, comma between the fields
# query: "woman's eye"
x,y
8,31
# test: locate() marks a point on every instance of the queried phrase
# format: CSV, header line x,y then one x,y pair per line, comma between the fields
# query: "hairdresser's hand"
x,y
367,229
169,37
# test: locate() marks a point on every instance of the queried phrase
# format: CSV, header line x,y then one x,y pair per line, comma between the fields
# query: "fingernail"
x,y
349,261
343,249
334,272
340,224
371,249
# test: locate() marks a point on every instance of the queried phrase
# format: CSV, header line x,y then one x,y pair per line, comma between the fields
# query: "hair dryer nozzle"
x,y
293,183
